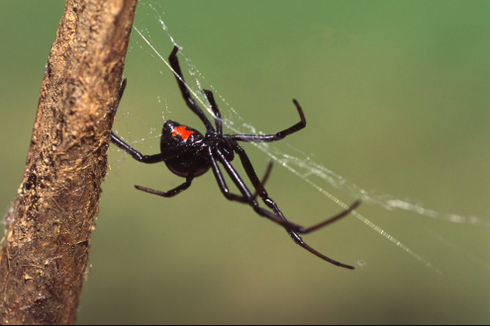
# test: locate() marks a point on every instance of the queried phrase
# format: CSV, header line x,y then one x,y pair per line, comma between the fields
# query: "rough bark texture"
x,y
45,252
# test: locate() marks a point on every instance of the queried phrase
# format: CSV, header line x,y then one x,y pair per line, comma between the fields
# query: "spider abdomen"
x,y
183,164
181,142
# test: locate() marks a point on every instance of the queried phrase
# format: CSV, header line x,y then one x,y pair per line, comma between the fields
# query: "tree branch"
x,y
48,227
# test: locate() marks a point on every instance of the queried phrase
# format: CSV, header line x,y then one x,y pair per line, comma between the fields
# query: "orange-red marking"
x,y
182,131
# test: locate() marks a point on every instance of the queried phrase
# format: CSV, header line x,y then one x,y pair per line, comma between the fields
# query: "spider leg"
x,y
273,137
148,159
332,219
174,63
304,245
248,198
222,183
172,192
219,125
264,180
254,138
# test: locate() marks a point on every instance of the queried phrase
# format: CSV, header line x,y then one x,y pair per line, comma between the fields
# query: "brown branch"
x,y
48,228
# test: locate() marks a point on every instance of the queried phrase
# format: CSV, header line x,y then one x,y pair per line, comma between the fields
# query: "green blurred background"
x,y
397,98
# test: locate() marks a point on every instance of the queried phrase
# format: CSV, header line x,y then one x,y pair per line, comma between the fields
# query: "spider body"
x,y
189,154
184,140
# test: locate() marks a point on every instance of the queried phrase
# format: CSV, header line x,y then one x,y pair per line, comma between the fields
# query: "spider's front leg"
x,y
148,159
174,63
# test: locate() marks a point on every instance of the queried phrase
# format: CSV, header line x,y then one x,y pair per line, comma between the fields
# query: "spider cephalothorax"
x,y
189,154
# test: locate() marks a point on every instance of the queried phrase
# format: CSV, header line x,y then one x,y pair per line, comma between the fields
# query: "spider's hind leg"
x,y
299,241
293,230
247,197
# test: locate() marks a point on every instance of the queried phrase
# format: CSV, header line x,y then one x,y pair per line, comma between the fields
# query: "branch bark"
x,y
48,227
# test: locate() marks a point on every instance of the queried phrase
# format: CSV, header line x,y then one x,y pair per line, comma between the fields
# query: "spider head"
x,y
224,145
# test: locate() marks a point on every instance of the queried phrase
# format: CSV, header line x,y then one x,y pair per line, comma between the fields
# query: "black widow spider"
x,y
189,154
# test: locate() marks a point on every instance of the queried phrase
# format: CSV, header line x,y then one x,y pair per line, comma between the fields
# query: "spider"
x,y
189,154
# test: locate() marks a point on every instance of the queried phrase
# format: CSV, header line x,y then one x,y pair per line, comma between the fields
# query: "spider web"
x,y
295,161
